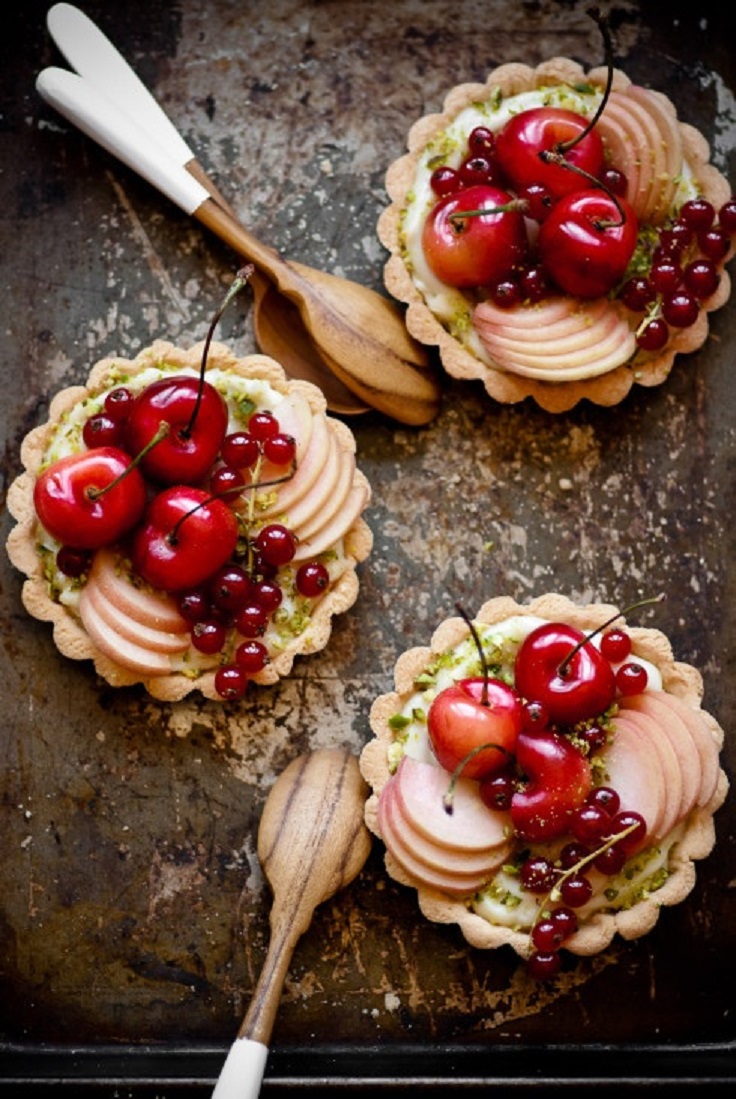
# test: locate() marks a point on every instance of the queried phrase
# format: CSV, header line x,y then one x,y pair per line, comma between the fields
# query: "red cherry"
x,y
557,666
586,242
470,714
542,130
90,499
558,781
186,536
474,251
188,452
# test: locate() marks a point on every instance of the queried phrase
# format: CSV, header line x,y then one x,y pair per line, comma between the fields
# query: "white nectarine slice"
x,y
632,769
670,143
673,727
707,742
134,600
148,637
335,501
119,648
450,877
308,468
340,524
316,498
670,768
438,856
421,788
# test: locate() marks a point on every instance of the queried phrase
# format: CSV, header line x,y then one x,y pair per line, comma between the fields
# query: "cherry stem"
x,y
508,207
163,430
481,654
447,800
241,280
565,146
564,667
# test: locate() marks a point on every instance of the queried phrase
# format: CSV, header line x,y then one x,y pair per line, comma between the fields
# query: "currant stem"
x,y
241,280
564,667
163,430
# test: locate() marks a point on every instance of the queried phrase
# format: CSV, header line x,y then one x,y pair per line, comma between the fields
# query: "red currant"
x,y
565,920
268,595
727,216
226,481
444,181
276,544
631,678
240,450
546,936
262,425
280,449
208,635
506,293
539,200
576,890
73,562
497,791
194,606
537,874
251,656
615,645
312,578
118,403
605,798
102,430
230,587
544,965
481,140
251,620
625,820
654,335
589,823
698,214
701,278
230,681
714,243
665,274
680,309
614,180
534,283
571,854
611,860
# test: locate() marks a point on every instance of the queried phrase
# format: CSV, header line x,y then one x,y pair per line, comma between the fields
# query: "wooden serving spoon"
x,y
312,841
357,334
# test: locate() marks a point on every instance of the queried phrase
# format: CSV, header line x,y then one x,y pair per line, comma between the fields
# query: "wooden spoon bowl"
x,y
312,841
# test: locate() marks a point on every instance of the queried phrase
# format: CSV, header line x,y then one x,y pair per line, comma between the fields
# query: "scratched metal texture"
x,y
133,912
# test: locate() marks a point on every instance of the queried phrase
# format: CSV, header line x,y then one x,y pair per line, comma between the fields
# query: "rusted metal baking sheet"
x,y
133,912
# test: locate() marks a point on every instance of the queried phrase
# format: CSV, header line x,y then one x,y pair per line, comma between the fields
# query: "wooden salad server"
x,y
312,841
342,332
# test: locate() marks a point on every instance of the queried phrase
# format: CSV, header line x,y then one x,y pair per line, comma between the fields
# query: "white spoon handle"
x,y
104,68
242,1072
116,131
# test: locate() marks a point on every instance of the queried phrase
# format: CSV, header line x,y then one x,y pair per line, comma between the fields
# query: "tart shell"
x,y
69,635
597,932
606,389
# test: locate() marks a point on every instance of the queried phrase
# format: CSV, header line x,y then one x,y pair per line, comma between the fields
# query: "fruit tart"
x,y
189,520
544,776
557,238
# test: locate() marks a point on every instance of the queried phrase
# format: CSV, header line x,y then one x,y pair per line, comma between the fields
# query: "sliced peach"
x,y
316,498
339,525
669,765
632,769
117,647
420,790
448,860
335,501
135,601
307,471
673,727
705,740
148,637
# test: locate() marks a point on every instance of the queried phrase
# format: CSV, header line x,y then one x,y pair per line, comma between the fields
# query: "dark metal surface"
x,y
133,914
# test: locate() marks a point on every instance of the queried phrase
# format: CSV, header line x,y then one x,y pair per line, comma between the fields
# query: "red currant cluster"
x,y
604,838
683,271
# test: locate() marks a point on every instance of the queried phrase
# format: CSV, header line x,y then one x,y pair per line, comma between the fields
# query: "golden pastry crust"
x,y
608,388
598,930
69,634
